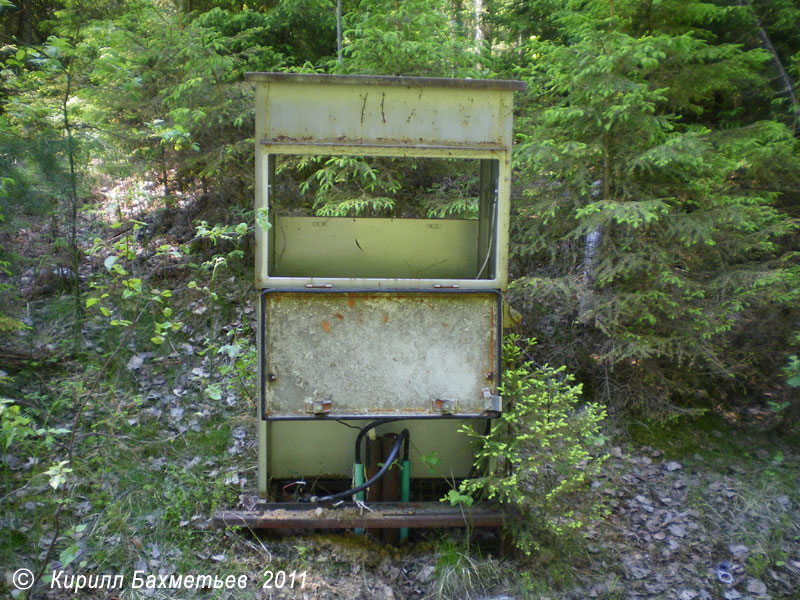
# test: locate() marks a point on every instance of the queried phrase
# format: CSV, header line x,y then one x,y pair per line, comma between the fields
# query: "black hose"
x,y
387,463
364,431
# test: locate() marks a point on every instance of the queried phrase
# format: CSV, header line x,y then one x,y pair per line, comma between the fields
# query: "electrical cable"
x,y
492,225
403,438
364,431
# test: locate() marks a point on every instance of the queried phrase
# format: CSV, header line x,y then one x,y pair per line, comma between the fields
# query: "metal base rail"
x,y
385,515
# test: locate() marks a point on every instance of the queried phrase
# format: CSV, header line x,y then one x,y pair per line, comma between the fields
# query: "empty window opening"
x,y
379,217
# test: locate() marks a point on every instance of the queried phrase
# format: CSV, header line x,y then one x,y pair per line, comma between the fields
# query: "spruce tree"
x,y
641,240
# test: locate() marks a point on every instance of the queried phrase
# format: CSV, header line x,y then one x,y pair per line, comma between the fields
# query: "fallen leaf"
x,y
739,551
135,362
426,574
754,586
677,530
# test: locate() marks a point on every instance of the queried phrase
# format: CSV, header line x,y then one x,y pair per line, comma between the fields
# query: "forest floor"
x,y
700,508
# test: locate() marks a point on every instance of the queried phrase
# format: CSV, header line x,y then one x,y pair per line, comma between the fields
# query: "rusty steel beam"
x,y
380,514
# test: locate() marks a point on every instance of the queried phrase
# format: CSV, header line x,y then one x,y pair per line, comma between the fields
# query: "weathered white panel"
x,y
386,116
378,354
369,110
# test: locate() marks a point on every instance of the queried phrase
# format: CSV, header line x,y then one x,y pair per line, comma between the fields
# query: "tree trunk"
x,y
788,86
27,22
591,244
478,9
339,30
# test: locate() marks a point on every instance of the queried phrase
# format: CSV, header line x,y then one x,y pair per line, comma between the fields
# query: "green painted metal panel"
x,y
324,449
332,111
372,247
306,114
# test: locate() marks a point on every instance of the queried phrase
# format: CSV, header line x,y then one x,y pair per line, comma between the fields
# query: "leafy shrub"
x,y
792,371
540,457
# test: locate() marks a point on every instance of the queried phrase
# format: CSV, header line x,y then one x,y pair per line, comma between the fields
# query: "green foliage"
x,y
33,474
121,298
432,461
655,239
542,455
414,37
341,177
462,572
20,434
14,426
304,30
792,371
780,17
455,498
239,348
210,103
652,230
342,186
39,140
164,90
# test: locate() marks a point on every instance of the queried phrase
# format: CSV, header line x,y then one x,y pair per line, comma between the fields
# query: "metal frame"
x,y
413,117
391,80
384,116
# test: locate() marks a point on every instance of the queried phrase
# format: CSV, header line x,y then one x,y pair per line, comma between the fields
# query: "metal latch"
x,y
318,407
445,406
492,403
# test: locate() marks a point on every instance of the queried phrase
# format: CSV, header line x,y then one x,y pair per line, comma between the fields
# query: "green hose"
x,y
405,490
358,479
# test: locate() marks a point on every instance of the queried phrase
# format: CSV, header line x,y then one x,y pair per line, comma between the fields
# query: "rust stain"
x,y
351,302
326,326
385,317
363,106
339,316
